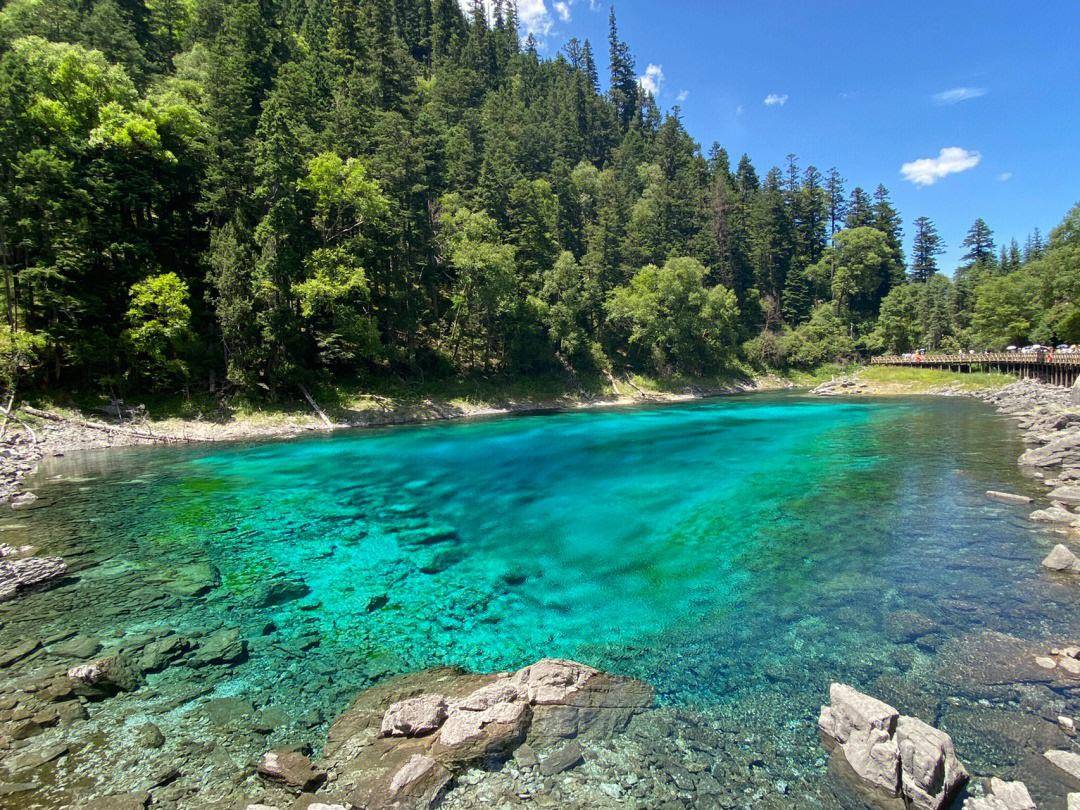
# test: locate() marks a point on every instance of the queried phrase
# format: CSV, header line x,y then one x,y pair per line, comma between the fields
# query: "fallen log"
x,y
315,407
137,434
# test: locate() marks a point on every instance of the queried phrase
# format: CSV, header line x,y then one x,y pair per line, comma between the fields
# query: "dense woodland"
x,y
256,194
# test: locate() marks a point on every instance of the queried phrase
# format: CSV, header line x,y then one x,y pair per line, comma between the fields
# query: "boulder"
x,y
931,775
492,732
17,575
1002,796
901,756
104,677
1074,394
290,768
414,717
1061,559
864,727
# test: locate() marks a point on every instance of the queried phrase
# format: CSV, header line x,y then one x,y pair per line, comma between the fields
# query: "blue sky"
x,y
869,87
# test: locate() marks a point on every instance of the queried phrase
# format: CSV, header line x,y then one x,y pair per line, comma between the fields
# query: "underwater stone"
x,y
1066,760
104,677
220,647
1007,497
562,759
281,590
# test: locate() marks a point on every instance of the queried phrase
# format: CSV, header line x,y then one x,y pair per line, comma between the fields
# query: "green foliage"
x,y
672,317
19,354
398,187
159,328
824,338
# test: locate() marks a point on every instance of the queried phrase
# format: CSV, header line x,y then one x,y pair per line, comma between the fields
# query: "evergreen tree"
x,y
925,250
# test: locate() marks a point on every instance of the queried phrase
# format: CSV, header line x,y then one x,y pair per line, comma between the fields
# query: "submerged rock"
x,y
901,756
280,590
1007,497
1068,761
104,677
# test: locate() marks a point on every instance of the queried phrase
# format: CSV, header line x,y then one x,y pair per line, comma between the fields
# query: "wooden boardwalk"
x,y
1051,367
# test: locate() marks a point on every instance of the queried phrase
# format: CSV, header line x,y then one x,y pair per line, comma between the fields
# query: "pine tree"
x,y
624,86
925,250
860,213
979,243
834,191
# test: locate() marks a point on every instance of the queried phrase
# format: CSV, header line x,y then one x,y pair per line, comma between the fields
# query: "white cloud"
x,y
776,99
950,160
682,96
1005,177
653,80
740,110
563,10
532,14
958,94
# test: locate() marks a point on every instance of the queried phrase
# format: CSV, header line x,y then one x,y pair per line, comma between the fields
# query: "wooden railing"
x,y
986,358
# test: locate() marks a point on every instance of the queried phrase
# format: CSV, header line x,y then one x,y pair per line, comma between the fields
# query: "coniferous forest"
x,y
257,194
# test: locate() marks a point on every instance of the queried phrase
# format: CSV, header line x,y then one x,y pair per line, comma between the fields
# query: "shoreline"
x,y
26,446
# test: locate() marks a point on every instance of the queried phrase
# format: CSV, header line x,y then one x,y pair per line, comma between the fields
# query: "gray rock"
x,y
1068,494
1002,796
1061,559
1007,497
931,775
901,756
562,759
1066,760
19,574
290,768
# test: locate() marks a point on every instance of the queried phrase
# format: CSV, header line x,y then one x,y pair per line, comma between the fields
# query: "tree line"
x,y
262,193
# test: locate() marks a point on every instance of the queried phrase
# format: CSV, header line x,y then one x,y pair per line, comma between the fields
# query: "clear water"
x,y
738,554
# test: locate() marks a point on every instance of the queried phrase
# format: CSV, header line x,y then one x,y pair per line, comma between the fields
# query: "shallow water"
x,y
738,554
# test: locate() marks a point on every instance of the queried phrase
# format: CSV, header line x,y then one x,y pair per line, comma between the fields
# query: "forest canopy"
x,y
268,192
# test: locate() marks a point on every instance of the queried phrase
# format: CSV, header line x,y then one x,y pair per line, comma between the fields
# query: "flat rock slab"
x,y
1007,497
562,759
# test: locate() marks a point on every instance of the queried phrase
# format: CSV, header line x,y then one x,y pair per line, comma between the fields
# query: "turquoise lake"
x,y
739,554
